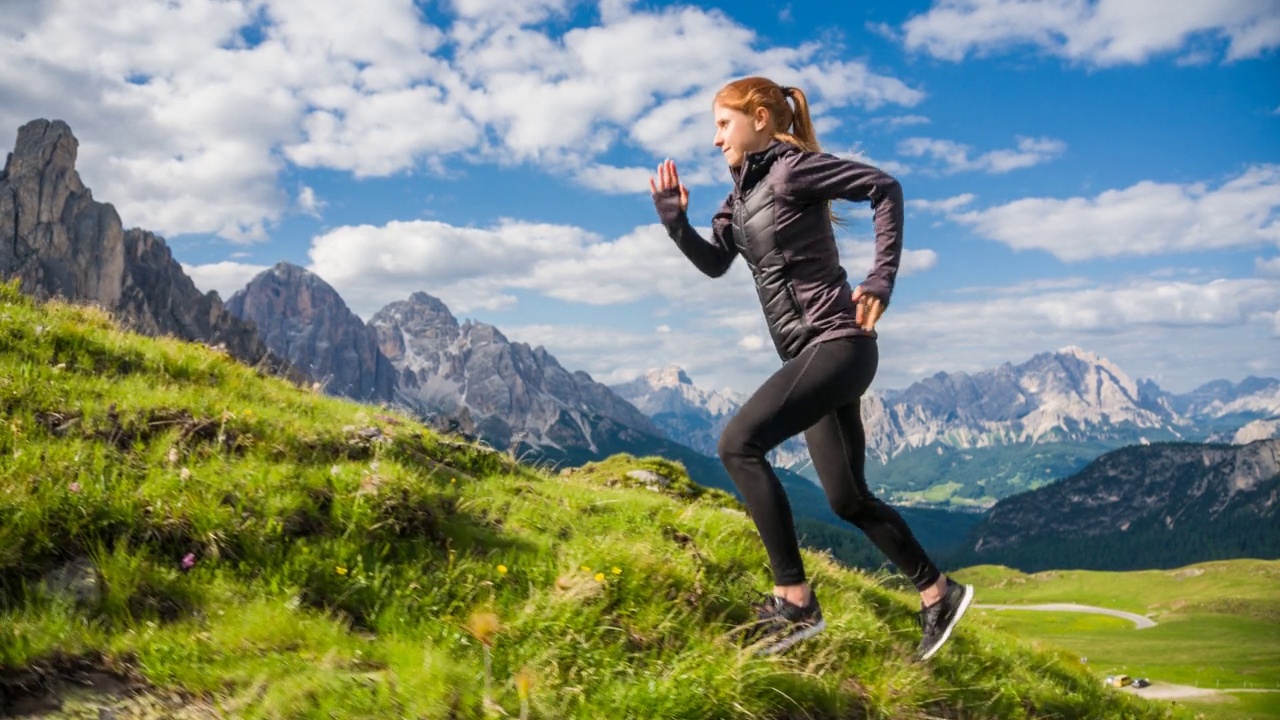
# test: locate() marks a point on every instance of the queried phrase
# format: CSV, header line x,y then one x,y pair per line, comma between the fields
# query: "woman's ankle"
x,y
797,595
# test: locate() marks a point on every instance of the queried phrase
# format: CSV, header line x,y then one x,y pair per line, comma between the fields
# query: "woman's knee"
x,y
852,507
736,443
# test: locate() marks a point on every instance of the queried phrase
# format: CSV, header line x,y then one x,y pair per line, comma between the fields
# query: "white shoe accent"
x,y
794,638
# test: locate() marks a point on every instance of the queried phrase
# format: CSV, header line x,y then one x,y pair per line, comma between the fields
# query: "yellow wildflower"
x,y
502,569
524,681
599,577
483,625
340,570
617,570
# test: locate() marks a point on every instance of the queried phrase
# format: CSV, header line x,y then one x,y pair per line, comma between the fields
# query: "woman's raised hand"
x,y
667,180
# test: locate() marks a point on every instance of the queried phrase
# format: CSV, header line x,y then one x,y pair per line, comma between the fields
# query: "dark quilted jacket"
x,y
776,218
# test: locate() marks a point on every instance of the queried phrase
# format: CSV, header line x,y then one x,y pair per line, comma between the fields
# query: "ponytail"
x,y
801,132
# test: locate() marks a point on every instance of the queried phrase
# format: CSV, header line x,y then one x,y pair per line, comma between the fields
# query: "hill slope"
x,y
238,546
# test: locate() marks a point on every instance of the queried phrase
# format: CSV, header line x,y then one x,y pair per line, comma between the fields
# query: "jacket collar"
x,y
756,165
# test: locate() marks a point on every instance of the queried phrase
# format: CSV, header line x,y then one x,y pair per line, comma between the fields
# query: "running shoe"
x,y
781,624
939,619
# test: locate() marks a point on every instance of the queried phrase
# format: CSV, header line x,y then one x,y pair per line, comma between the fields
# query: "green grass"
x,y
342,557
1218,624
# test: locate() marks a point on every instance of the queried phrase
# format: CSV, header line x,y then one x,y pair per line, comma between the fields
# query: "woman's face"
x,y
738,133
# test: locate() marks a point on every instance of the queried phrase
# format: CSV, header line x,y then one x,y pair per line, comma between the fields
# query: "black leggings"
x,y
817,393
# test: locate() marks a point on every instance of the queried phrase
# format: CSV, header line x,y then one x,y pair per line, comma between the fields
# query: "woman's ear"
x,y
761,119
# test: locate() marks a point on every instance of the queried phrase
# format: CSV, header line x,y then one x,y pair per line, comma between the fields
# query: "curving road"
x,y
1141,621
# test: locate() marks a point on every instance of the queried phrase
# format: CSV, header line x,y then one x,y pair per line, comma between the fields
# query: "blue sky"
x,y
1104,174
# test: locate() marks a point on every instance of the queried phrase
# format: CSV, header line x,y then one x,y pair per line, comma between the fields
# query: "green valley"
x,y
1216,626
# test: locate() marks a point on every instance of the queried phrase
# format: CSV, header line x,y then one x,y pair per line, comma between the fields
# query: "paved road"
x,y
1140,621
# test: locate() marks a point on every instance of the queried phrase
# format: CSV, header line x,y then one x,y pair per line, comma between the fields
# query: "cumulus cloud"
x,y
1148,218
946,205
1093,32
955,157
489,267
898,121
192,111
308,203
1269,266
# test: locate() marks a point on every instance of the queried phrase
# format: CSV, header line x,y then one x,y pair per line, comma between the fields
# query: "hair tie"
x,y
786,90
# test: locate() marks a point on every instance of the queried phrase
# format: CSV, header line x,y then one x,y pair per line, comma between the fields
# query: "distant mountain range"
x,y
968,440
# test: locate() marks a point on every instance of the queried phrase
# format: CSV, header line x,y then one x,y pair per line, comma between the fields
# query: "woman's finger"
x,y
875,308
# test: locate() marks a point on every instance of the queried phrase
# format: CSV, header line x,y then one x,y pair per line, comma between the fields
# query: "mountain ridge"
x,y
1125,509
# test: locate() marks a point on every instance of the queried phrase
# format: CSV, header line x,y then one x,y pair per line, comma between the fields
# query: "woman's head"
x,y
753,111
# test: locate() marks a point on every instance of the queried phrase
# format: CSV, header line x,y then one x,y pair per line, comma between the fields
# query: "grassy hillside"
x,y
172,524
1218,624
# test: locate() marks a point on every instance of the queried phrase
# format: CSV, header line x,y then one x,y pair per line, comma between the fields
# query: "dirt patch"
x,y
92,688
1169,691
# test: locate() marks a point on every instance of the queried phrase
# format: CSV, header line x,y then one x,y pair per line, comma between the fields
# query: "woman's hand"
x,y
667,180
867,309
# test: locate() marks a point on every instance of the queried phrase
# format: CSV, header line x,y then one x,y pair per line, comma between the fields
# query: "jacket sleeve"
x,y
712,258
820,177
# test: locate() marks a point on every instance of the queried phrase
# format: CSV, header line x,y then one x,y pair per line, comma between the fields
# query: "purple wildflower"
x,y
74,487
188,561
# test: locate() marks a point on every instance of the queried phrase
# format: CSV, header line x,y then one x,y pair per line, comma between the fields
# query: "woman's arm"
x,y
671,199
821,177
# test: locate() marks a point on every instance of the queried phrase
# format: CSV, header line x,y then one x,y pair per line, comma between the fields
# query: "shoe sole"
x,y
792,639
964,605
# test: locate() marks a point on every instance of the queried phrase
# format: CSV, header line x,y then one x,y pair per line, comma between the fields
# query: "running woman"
x,y
778,218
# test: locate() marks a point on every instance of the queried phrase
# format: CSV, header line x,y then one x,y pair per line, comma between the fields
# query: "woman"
x,y
778,218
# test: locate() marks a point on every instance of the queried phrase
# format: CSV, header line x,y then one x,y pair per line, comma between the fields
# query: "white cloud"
x,y
1268,267
1146,219
955,157
226,278
190,112
1093,32
308,203
610,179
946,205
1171,330
899,121
485,267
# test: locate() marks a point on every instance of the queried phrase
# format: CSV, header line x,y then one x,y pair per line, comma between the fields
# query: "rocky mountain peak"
x,y
44,148
302,318
667,377
512,392
430,309
58,241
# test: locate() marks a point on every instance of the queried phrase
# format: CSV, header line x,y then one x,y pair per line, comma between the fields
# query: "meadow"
x,y
1218,625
